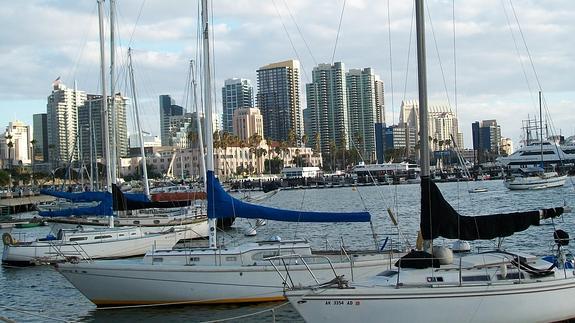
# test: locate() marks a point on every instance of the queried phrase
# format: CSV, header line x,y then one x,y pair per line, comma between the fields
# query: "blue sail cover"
x,y
78,197
104,208
222,205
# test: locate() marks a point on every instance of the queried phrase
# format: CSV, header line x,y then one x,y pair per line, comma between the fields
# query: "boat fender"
x,y
443,254
561,237
461,246
7,239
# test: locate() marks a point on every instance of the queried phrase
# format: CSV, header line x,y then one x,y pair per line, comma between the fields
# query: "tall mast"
x,y
207,73
106,146
541,130
198,124
113,158
138,127
422,83
423,118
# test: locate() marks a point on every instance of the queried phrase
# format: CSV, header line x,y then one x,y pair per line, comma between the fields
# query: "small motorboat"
x,y
478,190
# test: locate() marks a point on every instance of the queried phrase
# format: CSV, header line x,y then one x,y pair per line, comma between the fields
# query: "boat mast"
x,y
422,87
207,73
423,114
105,123
138,127
198,124
113,161
541,131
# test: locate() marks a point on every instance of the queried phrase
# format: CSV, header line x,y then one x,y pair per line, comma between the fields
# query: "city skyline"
x,y
249,34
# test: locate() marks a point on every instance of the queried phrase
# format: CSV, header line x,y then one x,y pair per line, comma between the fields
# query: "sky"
x,y
486,58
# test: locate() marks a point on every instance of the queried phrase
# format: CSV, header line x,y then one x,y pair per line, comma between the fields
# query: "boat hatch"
x,y
388,273
476,278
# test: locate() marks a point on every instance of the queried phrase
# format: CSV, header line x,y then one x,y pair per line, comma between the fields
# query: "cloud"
x,y
41,39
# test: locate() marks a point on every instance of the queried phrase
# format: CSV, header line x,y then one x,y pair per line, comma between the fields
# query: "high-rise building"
x,y
15,144
236,93
364,109
328,110
183,130
486,138
168,108
379,100
62,114
40,135
247,122
91,130
278,100
443,124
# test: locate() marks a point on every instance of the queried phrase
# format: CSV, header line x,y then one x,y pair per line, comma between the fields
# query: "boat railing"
x,y
78,254
287,279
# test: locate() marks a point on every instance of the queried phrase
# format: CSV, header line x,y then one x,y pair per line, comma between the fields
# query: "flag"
x,y
56,81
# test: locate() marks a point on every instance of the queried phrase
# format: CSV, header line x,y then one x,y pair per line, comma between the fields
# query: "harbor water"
x,y
40,294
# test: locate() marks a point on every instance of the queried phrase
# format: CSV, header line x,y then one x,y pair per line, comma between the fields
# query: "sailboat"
x,y
534,178
436,285
220,274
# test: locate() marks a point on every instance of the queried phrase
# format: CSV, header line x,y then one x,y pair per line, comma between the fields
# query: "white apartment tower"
x,y
62,113
443,123
15,145
327,105
364,109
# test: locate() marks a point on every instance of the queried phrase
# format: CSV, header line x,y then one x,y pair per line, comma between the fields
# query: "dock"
x,y
22,204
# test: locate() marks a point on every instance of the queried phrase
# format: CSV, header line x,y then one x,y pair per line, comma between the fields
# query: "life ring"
x,y
7,239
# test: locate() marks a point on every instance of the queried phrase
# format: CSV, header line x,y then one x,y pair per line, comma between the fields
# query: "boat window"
x,y
156,221
437,279
154,260
232,258
95,221
388,273
121,235
78,238
133,233
511,276
136,222
103,237
478,278
194,258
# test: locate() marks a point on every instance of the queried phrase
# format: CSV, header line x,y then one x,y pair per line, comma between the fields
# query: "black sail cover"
x,y
439,219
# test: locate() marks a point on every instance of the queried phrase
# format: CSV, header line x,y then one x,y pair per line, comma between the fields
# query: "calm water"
x,y
43,291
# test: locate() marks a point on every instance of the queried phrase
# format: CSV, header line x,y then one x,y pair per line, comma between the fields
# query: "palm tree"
x,y
10,144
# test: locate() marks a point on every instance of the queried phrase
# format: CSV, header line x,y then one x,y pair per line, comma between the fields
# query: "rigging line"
x,y
85,37
291,42
540,88
338,31
518,51
136,23
390,63
213,61
454,59
300,33
408,53
437,52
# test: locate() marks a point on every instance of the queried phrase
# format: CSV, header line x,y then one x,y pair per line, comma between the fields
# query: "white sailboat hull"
x,y
42,252
530,183
526,302
115,284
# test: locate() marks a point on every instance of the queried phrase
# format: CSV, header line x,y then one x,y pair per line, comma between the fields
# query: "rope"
x,y
338,31
30,313
248,315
